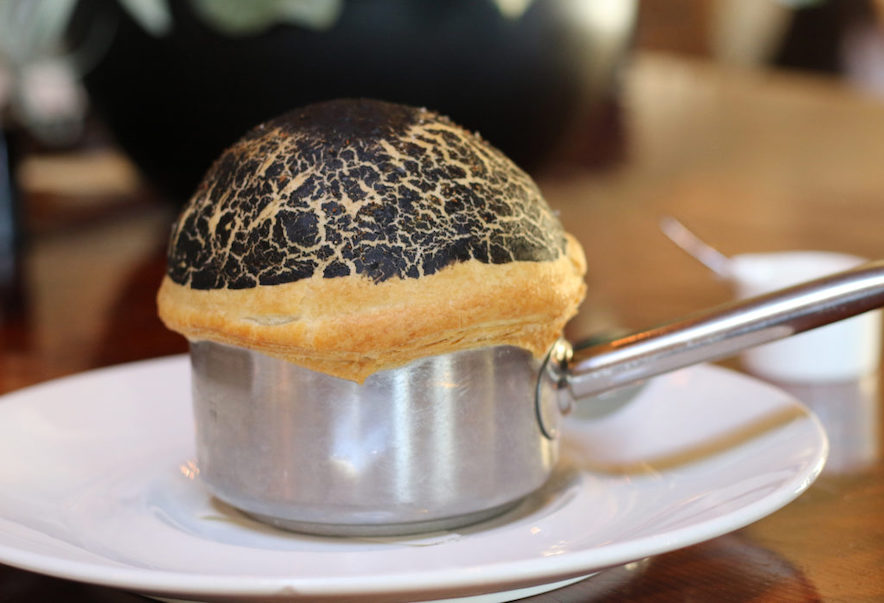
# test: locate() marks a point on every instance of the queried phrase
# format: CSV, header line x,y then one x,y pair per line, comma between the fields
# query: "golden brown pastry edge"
x,y
351,327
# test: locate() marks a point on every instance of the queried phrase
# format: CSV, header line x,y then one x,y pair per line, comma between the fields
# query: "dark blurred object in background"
x,y
818,35
842,38
10,233
521,77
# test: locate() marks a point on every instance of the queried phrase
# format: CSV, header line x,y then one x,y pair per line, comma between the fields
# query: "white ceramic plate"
x,y
98,484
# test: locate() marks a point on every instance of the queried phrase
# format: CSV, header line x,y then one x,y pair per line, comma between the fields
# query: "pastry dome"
x,y
352,236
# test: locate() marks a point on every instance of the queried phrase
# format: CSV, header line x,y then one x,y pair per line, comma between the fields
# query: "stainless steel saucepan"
x,y
453,439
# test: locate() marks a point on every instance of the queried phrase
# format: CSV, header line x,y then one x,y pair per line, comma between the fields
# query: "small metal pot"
x,y
453,439
443,441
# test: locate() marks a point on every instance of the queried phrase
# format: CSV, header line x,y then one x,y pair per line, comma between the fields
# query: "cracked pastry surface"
x,y
353,236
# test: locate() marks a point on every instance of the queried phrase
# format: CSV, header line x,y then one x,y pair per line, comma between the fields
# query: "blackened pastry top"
x,y
354,236
357,187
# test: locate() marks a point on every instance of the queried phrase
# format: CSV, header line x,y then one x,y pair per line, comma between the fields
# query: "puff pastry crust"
x,y
355,236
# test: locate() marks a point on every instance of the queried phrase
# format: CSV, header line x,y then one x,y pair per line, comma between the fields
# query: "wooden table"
x,y
753,161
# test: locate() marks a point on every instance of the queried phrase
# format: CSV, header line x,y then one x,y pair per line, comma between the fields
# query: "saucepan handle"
x,y
720,332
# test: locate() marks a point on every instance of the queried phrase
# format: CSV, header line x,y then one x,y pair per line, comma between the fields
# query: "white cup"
x,y
841,351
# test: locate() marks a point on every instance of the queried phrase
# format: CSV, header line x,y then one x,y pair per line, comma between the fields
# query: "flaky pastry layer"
x,y
351,327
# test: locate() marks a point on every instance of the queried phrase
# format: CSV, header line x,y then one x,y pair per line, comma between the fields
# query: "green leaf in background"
x,y
237,18
153,15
